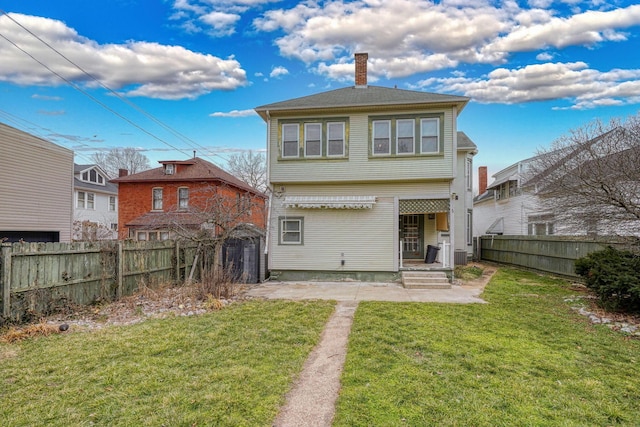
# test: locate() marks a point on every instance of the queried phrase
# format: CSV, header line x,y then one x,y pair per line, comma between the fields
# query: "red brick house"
x,y
184,196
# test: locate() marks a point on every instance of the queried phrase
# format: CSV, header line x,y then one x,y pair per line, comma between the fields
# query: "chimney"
x,y
482,179
122,172
361,69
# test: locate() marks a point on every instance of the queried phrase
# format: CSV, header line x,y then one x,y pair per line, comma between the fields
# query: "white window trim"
x,y
186,206
113,207
306,140
342,139
373,138
282,231
413,137
297,141
437,135
153,198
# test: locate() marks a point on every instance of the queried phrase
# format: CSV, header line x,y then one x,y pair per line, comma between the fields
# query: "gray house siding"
x,y
37,185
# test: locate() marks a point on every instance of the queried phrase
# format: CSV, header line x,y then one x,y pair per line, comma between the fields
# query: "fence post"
x,y
6,280
177,266
120,270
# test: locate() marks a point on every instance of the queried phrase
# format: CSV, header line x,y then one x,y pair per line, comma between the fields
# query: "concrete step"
x,y
425,280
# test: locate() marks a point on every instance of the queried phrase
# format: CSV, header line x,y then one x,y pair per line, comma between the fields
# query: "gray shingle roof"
x,y
368,96
464,143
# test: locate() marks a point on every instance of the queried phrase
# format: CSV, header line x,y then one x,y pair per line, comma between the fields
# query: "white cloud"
x,y
135,68
544,56
278,72
406,37
46,97
234,113
222,24
574,82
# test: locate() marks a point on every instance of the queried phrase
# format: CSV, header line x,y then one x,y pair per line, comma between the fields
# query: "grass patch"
x,y
231,367
462,272
523,359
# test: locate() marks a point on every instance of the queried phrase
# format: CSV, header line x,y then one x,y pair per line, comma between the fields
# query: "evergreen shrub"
x,y
614,276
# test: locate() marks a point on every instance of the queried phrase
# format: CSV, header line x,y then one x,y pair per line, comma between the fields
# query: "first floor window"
x,y
429,135
313,139
540,225
382,137
291,231
114,226
157,199
290,135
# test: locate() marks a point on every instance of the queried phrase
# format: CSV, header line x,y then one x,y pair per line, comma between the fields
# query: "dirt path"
x,y
312,400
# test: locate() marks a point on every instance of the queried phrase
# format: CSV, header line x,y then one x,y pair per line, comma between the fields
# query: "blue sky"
x,y
171,77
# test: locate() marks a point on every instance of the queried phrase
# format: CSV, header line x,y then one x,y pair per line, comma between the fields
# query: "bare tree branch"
x,y
590,178
121,158
250,167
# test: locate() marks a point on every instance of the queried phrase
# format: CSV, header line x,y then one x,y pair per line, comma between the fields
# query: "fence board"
x,y
550,254
38,278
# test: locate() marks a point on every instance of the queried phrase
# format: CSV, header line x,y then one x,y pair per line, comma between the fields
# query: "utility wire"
x,y
118,95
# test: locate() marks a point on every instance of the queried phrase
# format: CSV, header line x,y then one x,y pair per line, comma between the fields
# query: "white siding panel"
x,y
359,167
365,237
37,184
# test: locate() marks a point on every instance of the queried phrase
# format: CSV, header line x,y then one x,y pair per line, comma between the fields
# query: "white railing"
x,y
444,253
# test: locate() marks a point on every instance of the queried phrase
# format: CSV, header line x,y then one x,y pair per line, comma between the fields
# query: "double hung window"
x,y
335,139
291,231
405,136
313,139
157,199
183,198
290,140
382,137
429,135
85,200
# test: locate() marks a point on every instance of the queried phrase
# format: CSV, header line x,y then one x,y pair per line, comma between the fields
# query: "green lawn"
x,y
524,359
229,368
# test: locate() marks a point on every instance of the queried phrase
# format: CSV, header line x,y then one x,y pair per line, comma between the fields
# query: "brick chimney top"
x,y
361,69
122,172
482,179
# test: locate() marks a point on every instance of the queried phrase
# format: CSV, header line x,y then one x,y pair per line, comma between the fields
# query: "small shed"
x,y
242,254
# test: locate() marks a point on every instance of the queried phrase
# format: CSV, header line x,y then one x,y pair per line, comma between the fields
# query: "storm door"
x,y
411,232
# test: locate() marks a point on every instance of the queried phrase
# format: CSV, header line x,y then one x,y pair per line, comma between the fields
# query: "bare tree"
x,y
215,214
121,158
250,167
590,179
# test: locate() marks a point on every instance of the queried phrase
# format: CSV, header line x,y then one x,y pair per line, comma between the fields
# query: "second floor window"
x,y
85,200
382,137
183,198
313,139
93,176
335,142
405,130
112,203
157,199
290,135
430,135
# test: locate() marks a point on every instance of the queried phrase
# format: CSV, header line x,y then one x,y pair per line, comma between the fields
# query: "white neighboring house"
x,y
504,208
95,204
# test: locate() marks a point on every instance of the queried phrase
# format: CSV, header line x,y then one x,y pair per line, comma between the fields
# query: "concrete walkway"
x,y
364,291
311,401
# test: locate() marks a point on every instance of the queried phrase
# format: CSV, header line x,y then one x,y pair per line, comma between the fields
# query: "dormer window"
x,y
92,176
169,169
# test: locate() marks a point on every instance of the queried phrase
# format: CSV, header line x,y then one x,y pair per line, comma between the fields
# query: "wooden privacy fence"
x,y
550,254
38,278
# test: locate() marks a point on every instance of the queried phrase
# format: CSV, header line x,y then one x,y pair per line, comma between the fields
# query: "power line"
x,y
184,138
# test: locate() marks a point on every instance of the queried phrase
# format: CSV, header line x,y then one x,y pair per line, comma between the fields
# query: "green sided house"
x,y
366,182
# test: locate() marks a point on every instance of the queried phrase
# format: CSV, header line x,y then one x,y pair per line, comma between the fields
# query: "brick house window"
x,y
183,198
157,199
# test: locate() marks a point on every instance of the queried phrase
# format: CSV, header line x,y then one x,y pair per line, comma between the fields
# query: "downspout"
x,y
268,230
